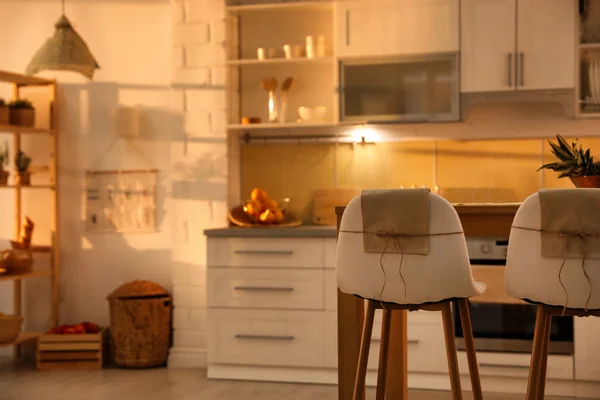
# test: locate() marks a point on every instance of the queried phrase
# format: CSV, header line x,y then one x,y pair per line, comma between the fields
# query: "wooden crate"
x,y
70,352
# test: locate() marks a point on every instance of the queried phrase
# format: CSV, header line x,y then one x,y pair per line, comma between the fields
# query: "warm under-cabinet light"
x,y
363,134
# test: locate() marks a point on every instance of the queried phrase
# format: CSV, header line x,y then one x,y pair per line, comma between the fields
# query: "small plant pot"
x,y
592,182
4,115
24,178
22,117
3,177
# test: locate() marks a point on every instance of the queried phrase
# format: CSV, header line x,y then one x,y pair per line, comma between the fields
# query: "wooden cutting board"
x,y
325,201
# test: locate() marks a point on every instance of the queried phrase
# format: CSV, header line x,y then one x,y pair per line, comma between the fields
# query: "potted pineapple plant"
x,y
3,113
22,162
4,163
574,163
21,113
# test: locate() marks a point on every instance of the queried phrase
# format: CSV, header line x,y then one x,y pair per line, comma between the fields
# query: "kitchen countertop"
x,y
305,231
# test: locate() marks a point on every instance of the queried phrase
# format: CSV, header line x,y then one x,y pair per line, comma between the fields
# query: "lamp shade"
x,y
65,51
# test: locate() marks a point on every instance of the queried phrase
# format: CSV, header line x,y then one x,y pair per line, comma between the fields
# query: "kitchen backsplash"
x,y
464,171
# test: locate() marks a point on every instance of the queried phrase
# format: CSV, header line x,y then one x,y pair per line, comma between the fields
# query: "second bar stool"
x,y
554,261
403,281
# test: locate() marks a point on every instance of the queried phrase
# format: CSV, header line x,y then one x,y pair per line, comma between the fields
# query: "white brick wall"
x,y
199,180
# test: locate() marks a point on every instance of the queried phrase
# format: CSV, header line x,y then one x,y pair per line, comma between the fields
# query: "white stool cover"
x,y
442,274
533,277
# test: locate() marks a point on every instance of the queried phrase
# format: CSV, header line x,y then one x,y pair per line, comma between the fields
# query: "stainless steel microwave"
x,y
400,89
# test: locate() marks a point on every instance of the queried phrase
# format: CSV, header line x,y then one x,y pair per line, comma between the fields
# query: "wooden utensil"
x,y
325,201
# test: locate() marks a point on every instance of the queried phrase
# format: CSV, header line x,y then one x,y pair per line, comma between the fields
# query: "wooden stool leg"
x,y
363,357
542,378
535,368
397,388
451,351
383,353
465,321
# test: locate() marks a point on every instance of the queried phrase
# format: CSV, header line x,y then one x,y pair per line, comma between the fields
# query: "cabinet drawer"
x,y
274,338
265,252
517,365
266,288
426,345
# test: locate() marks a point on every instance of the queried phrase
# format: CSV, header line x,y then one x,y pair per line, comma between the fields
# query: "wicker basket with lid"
x,y
140,324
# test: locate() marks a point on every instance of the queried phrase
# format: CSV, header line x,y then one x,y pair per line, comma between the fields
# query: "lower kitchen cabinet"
x,y
272,316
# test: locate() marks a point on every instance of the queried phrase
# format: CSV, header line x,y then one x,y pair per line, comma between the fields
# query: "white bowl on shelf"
x,y
312,114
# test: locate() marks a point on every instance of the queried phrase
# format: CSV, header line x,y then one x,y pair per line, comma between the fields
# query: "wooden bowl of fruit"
x,y
10,327
263,211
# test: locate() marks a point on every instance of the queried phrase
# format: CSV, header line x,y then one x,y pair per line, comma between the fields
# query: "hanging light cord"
x,y
63,6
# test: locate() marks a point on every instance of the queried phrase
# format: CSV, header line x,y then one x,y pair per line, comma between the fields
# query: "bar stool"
x,y
559,283
394,282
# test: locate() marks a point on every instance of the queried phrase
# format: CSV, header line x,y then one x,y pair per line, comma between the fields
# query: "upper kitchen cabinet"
x,y
509,45
396,27
280,61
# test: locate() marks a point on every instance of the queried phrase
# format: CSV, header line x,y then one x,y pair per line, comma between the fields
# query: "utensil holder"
x,y
273,107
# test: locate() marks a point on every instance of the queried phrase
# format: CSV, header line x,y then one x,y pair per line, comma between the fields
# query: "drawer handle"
x,y
264,288
264,337
409,341
493,365
265,252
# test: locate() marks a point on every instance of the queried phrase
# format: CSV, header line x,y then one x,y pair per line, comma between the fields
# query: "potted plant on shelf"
x,y
22,162
574,163
3,163
21,113
3,113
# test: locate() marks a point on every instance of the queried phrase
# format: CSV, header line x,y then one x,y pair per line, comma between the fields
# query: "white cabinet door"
x,y
488,45
587,349
396,27
546,44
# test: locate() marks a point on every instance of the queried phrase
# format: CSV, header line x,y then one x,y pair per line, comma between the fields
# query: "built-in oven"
x,y
501,323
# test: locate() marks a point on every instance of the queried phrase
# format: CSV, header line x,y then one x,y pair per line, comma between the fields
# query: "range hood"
x,y
550,104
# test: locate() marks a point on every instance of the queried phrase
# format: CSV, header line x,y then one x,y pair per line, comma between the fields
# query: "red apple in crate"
x,y
90,327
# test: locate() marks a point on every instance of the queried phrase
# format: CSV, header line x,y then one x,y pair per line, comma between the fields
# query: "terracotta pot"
x,y
4,115
24,178
22,116
586,181
3,177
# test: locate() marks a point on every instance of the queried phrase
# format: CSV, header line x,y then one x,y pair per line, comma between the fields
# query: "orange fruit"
x,y
258,194
267,217
279,217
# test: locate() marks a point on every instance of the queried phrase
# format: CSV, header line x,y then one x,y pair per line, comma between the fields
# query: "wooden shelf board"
x,y
284,61
24,130
589,46
286,125
26,275
310,5
23,337
27,186
23,80
41,249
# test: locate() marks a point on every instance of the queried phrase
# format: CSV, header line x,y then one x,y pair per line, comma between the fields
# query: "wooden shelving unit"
x,y
20,83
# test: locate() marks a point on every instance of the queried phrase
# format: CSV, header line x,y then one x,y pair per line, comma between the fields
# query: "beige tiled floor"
x,y
163,384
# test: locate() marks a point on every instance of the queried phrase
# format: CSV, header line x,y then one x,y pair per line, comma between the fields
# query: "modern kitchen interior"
x,y
181,198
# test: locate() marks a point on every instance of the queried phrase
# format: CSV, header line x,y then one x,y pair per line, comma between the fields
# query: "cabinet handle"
x,y
263,337
510,69
266,252
521,64
347,27
503,365
409,341
264,288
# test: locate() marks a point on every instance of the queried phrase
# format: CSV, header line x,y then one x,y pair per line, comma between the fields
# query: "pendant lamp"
x,y
64,51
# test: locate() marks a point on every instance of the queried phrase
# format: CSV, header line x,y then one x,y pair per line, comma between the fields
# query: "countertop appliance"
x,y
500,323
